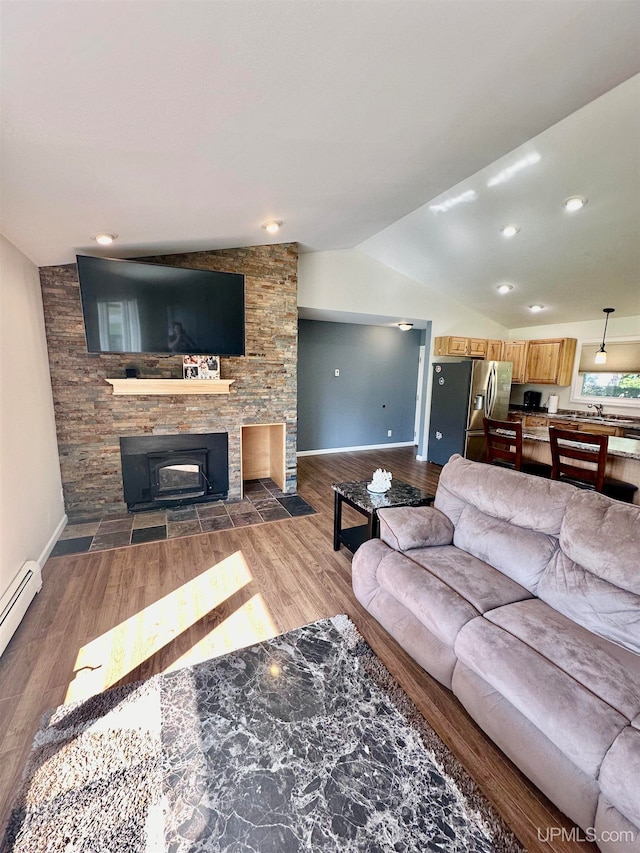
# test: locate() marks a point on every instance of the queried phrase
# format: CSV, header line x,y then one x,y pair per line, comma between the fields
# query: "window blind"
x,y
622,357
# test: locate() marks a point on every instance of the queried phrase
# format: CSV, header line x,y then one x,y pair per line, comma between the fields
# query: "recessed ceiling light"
x,y
405,326
536,308
104,239
575,202
509,230
505,288
272,227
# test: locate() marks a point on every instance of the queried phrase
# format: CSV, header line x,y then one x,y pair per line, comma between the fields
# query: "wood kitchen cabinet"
x,y
601,429
470,347
477,347
451,345
562,423
542,362
535,421
580,426
515,352
494,350
550,361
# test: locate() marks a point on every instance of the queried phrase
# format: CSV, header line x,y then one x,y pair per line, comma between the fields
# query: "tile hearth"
x,y
263,501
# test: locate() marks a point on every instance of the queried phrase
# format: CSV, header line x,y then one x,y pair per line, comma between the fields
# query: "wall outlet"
x,y
389,433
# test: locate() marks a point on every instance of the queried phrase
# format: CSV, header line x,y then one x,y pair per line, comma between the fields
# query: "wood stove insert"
x,y
174,470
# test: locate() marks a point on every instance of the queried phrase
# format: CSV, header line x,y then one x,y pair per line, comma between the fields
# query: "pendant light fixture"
x,y
601,355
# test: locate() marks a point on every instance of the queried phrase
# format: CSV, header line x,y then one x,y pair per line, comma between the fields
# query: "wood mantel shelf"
x,y
132,387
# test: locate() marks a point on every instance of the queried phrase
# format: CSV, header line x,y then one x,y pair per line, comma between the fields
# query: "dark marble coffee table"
x,y
356,495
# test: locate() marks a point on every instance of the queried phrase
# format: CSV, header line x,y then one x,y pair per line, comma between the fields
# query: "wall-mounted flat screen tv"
x,y
135,307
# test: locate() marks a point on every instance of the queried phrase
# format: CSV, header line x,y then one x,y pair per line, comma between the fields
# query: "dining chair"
x,y
569,447
504,448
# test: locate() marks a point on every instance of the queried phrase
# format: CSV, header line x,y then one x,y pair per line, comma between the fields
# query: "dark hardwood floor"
x,y
112,617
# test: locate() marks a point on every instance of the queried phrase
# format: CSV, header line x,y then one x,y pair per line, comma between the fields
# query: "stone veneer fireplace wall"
x,y
90,420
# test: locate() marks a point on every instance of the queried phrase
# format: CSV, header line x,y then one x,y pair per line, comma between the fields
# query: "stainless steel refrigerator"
x,y
463,393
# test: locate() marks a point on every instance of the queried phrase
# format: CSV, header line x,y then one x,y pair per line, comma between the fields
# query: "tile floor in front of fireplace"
x,y
263,501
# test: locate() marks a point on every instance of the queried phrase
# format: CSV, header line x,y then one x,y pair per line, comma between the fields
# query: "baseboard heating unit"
x,y
16,600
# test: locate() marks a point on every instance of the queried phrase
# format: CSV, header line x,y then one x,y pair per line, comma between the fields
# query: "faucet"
x,y
598,407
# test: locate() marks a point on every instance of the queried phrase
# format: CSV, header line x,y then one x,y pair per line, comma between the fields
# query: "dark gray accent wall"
x,y
375,391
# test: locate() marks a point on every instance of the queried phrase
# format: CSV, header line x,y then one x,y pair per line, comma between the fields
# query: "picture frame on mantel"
x,y
201,367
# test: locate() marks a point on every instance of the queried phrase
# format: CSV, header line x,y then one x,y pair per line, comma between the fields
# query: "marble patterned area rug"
x,y
300,743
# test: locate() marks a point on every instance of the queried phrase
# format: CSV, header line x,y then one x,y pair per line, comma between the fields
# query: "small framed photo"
x,y
209,367
190,371
201,367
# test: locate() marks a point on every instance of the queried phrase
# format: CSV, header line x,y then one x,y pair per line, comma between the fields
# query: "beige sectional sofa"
x,y
522,596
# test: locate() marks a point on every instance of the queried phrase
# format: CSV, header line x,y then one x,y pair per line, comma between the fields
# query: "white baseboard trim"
x,y
358,447
48,548
424,458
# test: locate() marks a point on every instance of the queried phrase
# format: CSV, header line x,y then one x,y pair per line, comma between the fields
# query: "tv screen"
x,y
131,306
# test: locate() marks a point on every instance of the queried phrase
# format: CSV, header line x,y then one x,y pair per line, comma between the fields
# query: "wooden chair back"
x,y
585,447
504,442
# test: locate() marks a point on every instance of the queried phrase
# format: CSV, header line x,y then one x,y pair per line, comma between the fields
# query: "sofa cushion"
x,y
433,602
613,831
608,671
619,774
570,715
404,528
478,583
444,588
522,499
603,536
575,792
598,605
519,553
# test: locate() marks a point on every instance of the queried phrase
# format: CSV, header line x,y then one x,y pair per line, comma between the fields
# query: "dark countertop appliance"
x,y
532,400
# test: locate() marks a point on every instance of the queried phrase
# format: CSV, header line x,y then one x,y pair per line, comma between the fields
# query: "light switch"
x,y
336,372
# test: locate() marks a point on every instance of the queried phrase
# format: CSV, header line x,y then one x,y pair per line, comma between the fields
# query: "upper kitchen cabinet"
x,y
550,361
477,347
451,345
543,362
454,345
515,352
494,350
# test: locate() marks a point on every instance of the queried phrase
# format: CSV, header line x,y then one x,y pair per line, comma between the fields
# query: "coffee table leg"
x,y
337,520
372,524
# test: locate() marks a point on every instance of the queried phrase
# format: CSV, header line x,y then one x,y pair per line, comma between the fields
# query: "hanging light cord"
x,y
607,311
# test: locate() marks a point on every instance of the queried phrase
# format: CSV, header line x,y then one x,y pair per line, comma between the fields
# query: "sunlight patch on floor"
x,y
250,623
108,658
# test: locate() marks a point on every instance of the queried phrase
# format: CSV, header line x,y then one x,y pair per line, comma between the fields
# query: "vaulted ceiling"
x,y
182,125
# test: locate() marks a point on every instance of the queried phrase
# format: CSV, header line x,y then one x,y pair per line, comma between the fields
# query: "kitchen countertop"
x,y
583,417
625,447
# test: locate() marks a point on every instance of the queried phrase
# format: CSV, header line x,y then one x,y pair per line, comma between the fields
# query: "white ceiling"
x,y
185,124
574,264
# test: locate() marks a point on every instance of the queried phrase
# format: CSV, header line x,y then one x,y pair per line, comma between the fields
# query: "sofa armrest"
x,y
406,527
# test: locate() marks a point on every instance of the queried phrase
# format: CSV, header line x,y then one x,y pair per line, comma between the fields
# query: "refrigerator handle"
x,y
491,391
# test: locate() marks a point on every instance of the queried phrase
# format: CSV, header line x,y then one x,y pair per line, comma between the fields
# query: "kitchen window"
x,y
616,382
618,385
